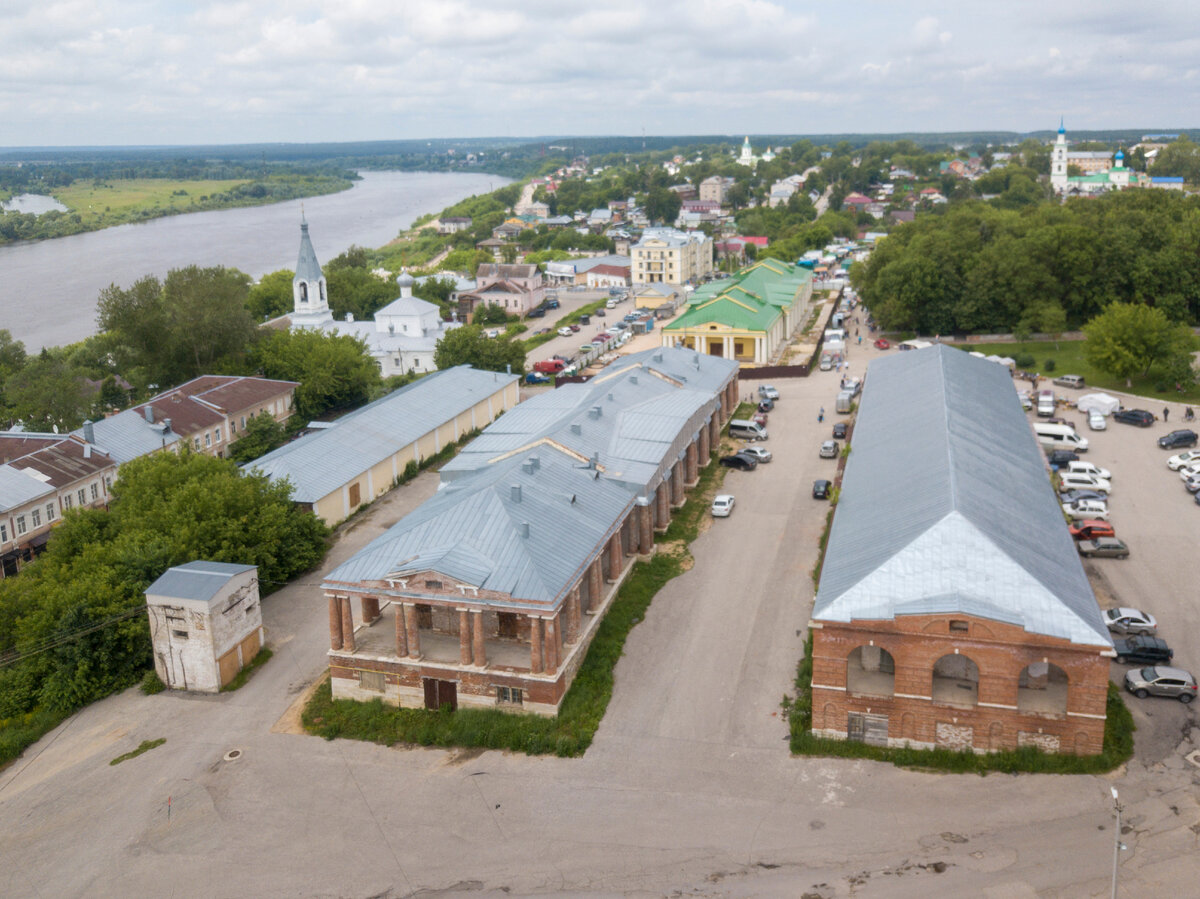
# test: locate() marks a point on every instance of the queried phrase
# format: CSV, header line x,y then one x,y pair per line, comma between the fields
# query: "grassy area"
x,y
116,200
1118,741
1069,360
146,746
21,731
586,701
264,656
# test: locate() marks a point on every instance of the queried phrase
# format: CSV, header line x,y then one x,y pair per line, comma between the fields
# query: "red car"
x,y
1090,529
883,344
573,327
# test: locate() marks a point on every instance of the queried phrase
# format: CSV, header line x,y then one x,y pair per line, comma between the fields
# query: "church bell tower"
x,y
310,300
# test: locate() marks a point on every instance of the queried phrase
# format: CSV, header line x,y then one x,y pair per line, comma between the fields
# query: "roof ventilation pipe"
x,y
516,493
576,429
633,379
166,424
89,432
525,529
149,413
595,412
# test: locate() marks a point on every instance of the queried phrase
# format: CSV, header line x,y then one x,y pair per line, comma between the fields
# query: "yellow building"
x,y
667,256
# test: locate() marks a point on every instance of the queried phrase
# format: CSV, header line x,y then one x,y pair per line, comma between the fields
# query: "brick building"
x,y
953,610
489,593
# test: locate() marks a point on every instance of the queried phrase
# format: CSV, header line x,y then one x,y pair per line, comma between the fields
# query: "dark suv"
x,y
1139,417
1178,439
1061,457
1142,648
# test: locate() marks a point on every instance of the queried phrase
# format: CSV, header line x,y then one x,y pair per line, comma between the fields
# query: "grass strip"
x,y
146,746
264,655
1117,749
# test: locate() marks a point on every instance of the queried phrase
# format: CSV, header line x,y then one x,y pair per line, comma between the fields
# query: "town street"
x,y
688,789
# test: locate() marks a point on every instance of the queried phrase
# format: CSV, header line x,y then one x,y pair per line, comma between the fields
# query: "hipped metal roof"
x,y
199,581
946,506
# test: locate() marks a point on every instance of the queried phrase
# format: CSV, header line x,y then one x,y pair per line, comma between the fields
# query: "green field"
x,y
1069,360
118,200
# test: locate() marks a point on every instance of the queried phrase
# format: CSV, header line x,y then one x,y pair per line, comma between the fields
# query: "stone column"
x,y
347,625
662,506
714,429
616,558
401,632
535,645
370,609
573,614
477,635
677,483
646,530
414,631
464,637
693,473
335,623
705,446
551,644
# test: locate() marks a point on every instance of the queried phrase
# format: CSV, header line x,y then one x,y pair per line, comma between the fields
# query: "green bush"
x,y
151,683
1024,360
1049,366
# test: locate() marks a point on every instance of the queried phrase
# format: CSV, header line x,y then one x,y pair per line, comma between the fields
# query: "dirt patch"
x,y
290,722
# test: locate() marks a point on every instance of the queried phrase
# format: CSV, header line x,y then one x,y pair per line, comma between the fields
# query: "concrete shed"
x,y
205,624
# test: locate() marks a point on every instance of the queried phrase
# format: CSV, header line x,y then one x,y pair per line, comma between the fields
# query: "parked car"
x,y
611,304
759,418
1069,481
1062,421
601,313
766,405
1130,621
1091,529
535,378
839,430
1080,467
588,348
821,489
1069,381
883,344
1177,462
551,303
1139,417
574,328
829,449
740,462
826,362
1061,457
1192,484
1184,437
1095,509
1142,648
1160,680
767,392
756,452
1106,547
1097,421
539,312
1189,471
565,332
722,505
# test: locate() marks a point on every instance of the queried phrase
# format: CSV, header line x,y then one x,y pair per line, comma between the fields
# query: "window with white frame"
x,y
207,439
49,511
66,500
510,695
36,516
95,488
21,525
196,442
82,494
3,533
218,433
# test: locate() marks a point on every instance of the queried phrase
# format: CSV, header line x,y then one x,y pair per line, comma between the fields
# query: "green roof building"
x,y
748,317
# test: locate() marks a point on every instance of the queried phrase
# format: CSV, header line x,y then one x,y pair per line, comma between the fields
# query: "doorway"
x,y
439,693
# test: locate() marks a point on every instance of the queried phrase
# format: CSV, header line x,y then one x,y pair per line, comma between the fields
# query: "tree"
x,y
195,322
663,204
335,371
467,345
261,435
47,394
12,360
272,295
1131,338
1180,158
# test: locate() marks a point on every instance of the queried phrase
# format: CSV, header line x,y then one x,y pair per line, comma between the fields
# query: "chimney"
x,y
595,412
535,462
524,528
166,424
87,451
149,413
576,429
611,398
633,379
350,316
89,432
516,493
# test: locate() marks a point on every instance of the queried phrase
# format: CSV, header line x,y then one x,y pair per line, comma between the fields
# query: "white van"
x,y
844,402
1059,437
746,429
1045,403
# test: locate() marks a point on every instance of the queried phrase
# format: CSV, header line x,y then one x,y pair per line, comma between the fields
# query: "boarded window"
x,y
869,729
959,627
371,680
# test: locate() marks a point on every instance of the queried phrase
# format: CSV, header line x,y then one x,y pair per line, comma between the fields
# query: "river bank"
x,y
52,286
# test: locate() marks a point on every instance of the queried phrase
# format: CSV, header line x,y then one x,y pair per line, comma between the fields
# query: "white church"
x,y
403,335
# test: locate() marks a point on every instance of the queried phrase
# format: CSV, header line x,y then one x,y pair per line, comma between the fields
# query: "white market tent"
x,y
1099,402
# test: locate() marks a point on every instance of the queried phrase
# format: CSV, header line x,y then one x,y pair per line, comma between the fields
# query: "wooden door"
x,y
355,496
439,693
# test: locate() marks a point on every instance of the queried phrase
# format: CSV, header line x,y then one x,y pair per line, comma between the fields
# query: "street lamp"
x,y
1117,844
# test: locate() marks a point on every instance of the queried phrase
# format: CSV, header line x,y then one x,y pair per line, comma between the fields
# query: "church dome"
x,y
406,280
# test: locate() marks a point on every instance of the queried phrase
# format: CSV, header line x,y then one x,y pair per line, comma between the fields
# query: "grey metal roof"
x,y
473,530
307,267
946,506
127,435
18,488
196,580
323,461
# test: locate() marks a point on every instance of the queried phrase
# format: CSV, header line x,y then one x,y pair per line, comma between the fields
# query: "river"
x,y
50,287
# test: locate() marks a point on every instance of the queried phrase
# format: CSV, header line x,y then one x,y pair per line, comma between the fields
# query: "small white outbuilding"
x,y
205,624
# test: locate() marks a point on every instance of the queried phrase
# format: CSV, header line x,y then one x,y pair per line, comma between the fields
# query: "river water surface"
x,y
51,286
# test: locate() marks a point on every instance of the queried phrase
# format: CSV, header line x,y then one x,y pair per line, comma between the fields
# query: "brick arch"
x,y
1042,688
995,736
908,726
955,679
1083,743
830,719
871,671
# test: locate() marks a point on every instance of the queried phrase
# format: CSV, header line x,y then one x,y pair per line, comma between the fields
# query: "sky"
x,y
136,72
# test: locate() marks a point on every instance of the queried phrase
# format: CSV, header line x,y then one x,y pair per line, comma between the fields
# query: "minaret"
x,y
310,301
1058,161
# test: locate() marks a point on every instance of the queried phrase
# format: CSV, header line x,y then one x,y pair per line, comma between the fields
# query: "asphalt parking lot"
x,y
688,788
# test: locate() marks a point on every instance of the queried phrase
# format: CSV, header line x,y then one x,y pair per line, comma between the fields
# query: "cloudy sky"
x,y
91,72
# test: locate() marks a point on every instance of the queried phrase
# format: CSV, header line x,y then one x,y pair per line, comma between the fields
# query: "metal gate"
x,y
439,693
869,729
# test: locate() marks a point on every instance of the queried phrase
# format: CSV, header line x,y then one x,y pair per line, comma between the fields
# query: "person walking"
x,y
821,415
1189,414
1166,412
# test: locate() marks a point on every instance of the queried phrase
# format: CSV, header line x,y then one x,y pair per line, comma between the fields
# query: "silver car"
x,y
829,449
1159,680
760,454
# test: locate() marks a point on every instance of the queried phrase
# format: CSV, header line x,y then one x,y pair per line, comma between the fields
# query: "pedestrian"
x,y
1166,413
1188,414
821,415
860,340
856,332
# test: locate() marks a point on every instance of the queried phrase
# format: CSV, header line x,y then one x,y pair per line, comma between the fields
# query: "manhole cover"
x,y
233,755
1194,757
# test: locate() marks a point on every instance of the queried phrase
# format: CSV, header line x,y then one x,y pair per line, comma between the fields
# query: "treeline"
x,y
978,268
72,627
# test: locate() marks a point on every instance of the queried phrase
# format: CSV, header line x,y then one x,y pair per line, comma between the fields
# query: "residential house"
x,y
452,224
952,610
489,594
714,188
517,288
668,256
